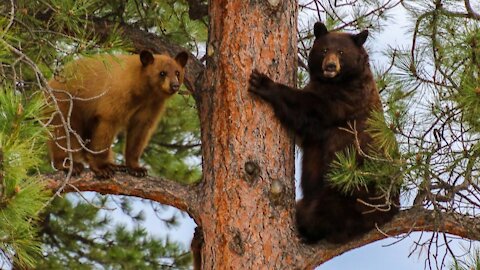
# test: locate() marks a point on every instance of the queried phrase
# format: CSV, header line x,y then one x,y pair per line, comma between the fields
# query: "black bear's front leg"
x,y
261,85
300,111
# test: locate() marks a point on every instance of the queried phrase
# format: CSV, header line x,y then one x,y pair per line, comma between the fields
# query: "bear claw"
x,y
105,171
258,83
121,168
76,170
137,172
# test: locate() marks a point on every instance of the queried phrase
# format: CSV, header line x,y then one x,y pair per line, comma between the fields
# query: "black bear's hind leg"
x,y
196,248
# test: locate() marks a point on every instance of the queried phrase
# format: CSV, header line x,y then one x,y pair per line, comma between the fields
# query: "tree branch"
x,y
143,40
470,10
182,196
405,222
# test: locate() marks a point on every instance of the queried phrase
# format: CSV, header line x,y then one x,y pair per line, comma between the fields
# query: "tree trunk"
x,y
248,158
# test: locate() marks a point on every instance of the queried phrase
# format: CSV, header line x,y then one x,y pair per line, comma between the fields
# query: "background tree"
x,y
76,234
21,195
245,199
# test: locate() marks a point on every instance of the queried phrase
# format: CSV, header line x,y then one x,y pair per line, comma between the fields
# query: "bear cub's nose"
x,y
175,86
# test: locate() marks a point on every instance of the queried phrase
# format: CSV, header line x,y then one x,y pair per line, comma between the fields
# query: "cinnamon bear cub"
x,y
341,92
99,97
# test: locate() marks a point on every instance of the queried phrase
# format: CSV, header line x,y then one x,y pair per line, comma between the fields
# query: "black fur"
x,y
316,114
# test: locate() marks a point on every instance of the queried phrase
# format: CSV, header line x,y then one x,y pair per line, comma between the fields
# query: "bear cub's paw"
x,y
137,171
76,170
260,83
121,168
104,171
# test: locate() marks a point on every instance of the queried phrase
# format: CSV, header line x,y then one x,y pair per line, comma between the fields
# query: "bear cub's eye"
x,y
340,52
163,74
177,73
324,51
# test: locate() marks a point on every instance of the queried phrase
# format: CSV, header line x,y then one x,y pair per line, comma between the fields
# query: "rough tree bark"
x,y
248,159
245,202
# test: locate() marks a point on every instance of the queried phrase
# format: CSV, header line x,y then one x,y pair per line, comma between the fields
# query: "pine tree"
x,y
37,39
427,136
78,235
472,262
22,195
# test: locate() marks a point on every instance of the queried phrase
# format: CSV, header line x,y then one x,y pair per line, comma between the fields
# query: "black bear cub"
x,y
341,93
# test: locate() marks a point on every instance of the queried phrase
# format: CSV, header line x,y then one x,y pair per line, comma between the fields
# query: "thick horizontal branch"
x,y
407,221
181,196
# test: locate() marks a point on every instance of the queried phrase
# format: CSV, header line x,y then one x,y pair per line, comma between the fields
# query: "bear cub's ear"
x,y
319,29
182,58
360,38
146,57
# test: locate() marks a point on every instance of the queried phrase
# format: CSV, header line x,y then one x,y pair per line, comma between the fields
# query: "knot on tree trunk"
x,y
236,244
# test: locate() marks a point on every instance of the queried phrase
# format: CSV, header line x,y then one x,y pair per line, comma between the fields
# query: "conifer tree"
x,y
77,235
428,134
22,195
37,38
430,127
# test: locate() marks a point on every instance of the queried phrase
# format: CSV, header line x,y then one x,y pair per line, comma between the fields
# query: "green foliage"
x,y
82,236
36,39
66,31
22,196
468,95
438,131
383,164
171,17
174,151
378,169
345,173
472,262
468,98
429,132
65,27
383,134
428,135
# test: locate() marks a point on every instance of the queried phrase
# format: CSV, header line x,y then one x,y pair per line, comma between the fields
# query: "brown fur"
x,y
109,94
196,248
341,92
